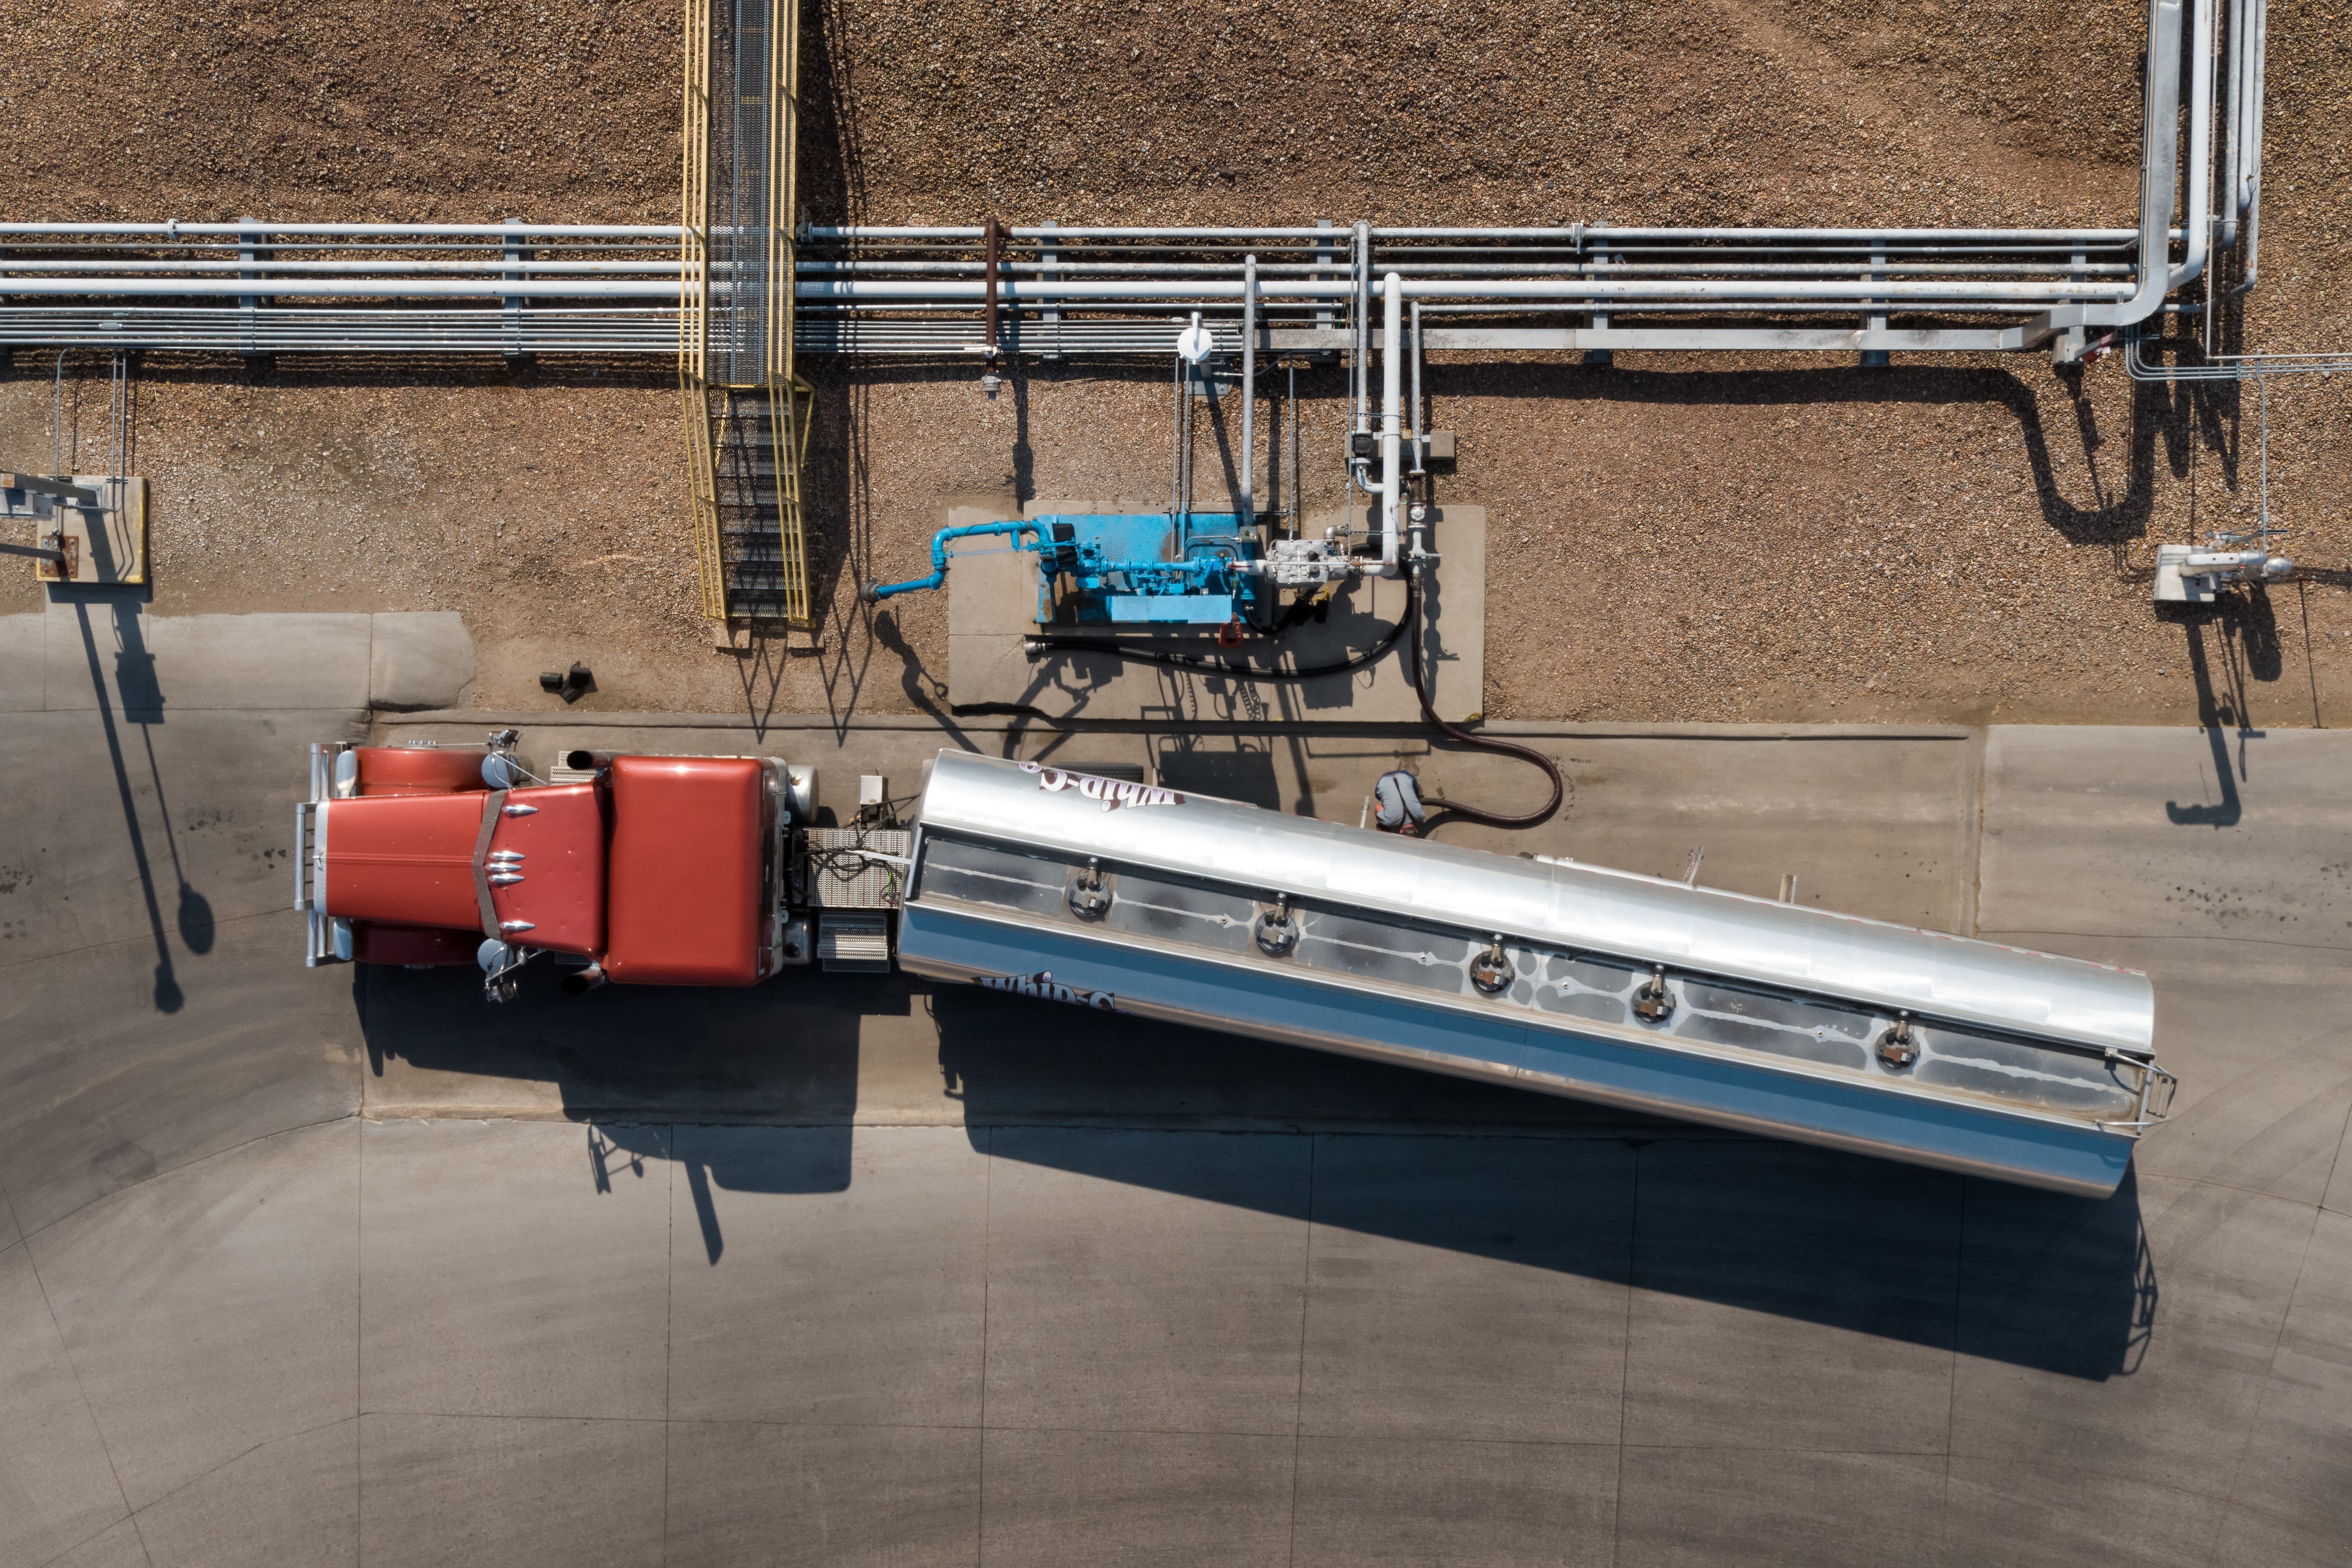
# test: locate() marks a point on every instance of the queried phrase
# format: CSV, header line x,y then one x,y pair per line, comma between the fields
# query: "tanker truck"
x,y
1112,896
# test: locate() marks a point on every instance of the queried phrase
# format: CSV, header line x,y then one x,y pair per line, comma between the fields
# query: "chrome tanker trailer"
x,y
1119,897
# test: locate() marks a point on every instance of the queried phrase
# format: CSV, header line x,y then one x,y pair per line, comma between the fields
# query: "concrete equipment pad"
x,y
419,660
104,651
963,1281
1879,823
991,615
114,651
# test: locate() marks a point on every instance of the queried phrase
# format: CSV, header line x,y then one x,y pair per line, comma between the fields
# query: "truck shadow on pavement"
x,y
756,1091
635,1063
2005,1273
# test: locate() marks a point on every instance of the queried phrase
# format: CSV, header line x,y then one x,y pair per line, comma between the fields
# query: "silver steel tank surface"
x,y
1570,979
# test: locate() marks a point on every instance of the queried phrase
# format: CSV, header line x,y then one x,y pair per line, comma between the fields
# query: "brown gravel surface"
x,y
1681,537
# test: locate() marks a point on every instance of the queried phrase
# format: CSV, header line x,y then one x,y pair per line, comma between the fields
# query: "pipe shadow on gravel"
x,y
1996,1271
437,371
2162,420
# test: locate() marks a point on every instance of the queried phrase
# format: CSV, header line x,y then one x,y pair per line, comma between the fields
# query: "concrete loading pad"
x,y
293,1267
966,1283
992,668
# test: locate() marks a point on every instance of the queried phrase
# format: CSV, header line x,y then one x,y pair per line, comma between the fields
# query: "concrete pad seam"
x,y
669,1317
1298,1392
987,1237
2296,1051
2335,1159
85,1541
1090,1431
2201,940
1625,1363
1977,749
494,1415
98,1429
242,1453
2259,1512
359,1329
2270,1375
1952,1361
784,1424
2100,1473
190,1164
1726,1449
144,940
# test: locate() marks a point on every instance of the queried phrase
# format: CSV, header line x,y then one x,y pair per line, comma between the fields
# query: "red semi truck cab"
x,y
639,870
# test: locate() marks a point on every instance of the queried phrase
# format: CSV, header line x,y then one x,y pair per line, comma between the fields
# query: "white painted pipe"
x,y
1359,319
2158,168
2197,220
1391,410
1248,508
170,229
971,232
2056,289
352,287
2250,192
490,266
2234,118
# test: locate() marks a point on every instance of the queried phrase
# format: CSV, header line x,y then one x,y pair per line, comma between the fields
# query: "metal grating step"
x,y
854,941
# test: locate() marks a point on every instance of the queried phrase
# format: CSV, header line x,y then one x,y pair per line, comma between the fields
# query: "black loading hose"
x,y
1410,617
1488,743
1244,672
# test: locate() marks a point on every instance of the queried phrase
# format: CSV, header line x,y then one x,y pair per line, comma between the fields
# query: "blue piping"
x,y
874,593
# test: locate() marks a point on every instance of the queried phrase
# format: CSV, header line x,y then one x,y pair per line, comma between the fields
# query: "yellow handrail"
x,y
709,415
693,314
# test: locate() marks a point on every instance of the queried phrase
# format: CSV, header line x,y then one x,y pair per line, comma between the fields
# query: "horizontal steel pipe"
x,y
1067,268
256,227
1335,235
13,267
340,288
1858,291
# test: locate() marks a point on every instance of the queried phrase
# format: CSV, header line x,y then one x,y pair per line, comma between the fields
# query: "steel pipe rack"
x,y
259,286
928,289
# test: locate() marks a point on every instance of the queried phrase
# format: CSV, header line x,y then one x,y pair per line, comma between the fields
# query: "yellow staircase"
x,y
746,407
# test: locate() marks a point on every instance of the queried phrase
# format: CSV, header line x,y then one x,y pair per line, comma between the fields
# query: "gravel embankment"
x,y
1677,539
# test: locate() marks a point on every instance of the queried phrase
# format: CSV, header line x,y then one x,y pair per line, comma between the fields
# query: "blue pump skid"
x,y
1149,568
1152,568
